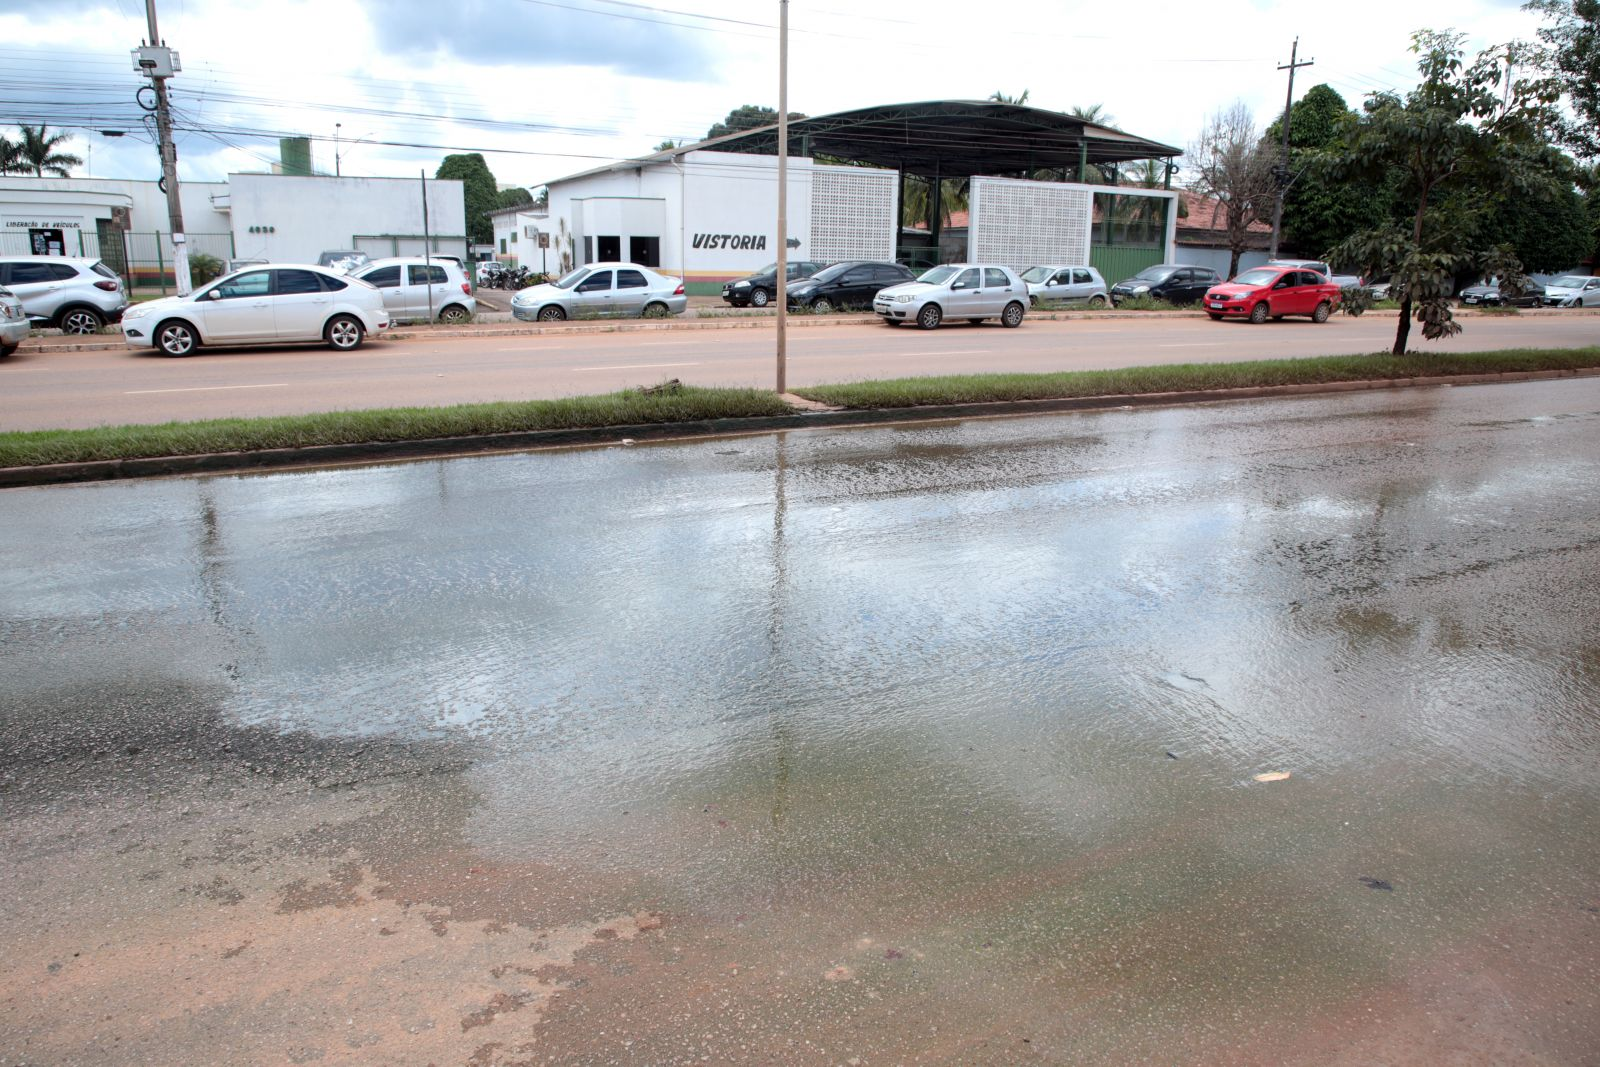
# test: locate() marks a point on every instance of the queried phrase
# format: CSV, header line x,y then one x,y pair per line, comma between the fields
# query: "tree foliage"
x,y
748,117
1319,211
36,153
478,189
1453,146
1231,163
1001,98
1569,52
515,197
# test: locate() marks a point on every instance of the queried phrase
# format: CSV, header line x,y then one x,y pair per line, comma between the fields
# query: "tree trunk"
x,y
1233,264
1404,329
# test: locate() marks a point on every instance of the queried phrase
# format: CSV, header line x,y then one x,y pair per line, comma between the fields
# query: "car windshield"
x,y
571,278
1570,281
1036,274
938,275
770,268
1259,276
1155,274
830,273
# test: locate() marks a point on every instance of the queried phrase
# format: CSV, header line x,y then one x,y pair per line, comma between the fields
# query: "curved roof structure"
x,y
939,138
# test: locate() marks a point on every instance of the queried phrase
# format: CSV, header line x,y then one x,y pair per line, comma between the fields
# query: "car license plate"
x,y
1216,304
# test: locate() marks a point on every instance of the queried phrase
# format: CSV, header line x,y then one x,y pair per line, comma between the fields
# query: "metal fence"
x,y
383,245
144,260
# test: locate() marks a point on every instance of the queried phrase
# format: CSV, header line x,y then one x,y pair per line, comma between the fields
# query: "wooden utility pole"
x,y
1281,171
158,63
783,195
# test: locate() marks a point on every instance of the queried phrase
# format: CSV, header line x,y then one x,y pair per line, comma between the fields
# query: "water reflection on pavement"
x,y
927,743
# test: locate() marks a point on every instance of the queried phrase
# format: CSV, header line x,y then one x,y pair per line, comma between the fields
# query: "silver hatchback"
x,y
1051,285
602,290
971,291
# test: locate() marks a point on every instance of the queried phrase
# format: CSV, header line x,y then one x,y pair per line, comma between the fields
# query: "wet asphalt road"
x,y
926,744
68,390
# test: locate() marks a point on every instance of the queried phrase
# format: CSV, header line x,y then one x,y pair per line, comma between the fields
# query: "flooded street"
x,y
923,744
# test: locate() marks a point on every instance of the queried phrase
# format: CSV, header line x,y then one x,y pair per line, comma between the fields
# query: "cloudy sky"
x,y
550,87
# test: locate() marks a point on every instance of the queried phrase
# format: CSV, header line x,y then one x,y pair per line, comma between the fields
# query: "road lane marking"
x,y
1196,344
207,388
654,344
639,366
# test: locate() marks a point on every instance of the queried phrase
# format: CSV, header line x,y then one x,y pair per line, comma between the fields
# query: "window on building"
x,y
645,251
610,249
502,246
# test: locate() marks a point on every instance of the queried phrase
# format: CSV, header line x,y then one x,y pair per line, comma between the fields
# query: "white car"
x,y
411,286
968,291
14,323
272,305
1573,291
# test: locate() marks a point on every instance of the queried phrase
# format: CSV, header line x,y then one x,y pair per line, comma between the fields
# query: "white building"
x,y
277,217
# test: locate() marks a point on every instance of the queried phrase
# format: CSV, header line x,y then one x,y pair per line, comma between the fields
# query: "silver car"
x,y
72,294
1054,284
411,286
1573,291
602,290
970,291
13,323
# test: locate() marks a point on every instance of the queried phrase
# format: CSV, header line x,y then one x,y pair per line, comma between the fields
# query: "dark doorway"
x,y
610,249
645,251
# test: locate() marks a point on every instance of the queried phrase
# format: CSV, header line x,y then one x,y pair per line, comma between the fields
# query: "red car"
x,y
1271,293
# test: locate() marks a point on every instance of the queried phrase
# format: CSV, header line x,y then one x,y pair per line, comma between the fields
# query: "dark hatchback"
x,y
1489,295
1173,282
758,289
847,285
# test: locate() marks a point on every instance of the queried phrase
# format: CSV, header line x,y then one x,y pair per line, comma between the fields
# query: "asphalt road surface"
x,y
64,390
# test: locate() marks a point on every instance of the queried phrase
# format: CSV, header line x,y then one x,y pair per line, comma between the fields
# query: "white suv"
x,y
74,295
970,291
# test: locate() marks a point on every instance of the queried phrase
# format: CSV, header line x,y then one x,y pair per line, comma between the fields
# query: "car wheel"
x,y
1259,313
1097,302
552,314
1214,318
176,338
6,350
822,305
1011,317
81,320
656,310
759,297
929,317
344,333
1322,312
454,315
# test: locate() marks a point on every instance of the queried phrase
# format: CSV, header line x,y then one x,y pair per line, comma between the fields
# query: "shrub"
x,y
203,268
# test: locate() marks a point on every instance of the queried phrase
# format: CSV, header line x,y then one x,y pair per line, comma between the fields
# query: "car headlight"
x,y
741,285
904,298
1140,289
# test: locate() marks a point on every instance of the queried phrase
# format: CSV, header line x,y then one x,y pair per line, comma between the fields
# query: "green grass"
x,y
1145,302
688,404
1184,377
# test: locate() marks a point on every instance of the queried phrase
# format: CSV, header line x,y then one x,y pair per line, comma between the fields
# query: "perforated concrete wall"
x,y
853,214
1022,223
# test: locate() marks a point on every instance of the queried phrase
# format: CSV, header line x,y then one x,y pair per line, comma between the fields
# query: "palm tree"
x,y
1001,98
38,151
11,157
666,146
1095,113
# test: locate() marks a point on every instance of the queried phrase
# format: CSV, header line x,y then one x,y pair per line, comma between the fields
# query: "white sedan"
x,y
269,305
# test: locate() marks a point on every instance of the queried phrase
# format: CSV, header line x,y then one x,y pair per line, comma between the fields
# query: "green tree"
x,y
11,157
1001,98
517,197
1319,210
1547,235
38,154
665,146
1570,53
748,117
1454,145
478,190
1095,113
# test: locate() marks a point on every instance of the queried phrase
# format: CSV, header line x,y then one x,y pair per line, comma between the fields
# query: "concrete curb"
x,y
354,455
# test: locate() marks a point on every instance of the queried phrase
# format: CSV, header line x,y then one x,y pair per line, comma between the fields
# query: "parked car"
x,y
1053,285
601,290
343,260
74,295
1307,264
411,285
14,324
1347,281
270,305
759,288
1271,292
485,269
1488,294
1175,283
1573,291
968,291
852,284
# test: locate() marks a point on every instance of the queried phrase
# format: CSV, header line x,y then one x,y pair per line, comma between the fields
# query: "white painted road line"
x,y
638,366
658,344
1197,344
206,388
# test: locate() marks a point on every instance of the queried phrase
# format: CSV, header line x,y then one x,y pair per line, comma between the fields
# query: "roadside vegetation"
x,y
1189,377
629,408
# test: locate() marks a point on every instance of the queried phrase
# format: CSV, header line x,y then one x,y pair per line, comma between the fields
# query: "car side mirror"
x,y
215,294
1052,281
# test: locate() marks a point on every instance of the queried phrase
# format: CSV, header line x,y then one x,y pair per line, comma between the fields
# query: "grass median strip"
x,y
36,447
1190,377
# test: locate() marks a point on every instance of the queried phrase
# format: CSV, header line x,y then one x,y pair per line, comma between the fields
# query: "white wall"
x,y
74,205
298,217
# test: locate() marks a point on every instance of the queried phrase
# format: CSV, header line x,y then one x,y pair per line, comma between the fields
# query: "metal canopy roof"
x,y
945,138
951,138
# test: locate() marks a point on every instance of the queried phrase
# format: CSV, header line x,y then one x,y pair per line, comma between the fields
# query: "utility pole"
x,y
783,195
1281,172
336,127
158,63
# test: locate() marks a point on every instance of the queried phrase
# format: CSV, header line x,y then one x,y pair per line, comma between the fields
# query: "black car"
x,y
759,288
1173,282
1489,295
847,285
